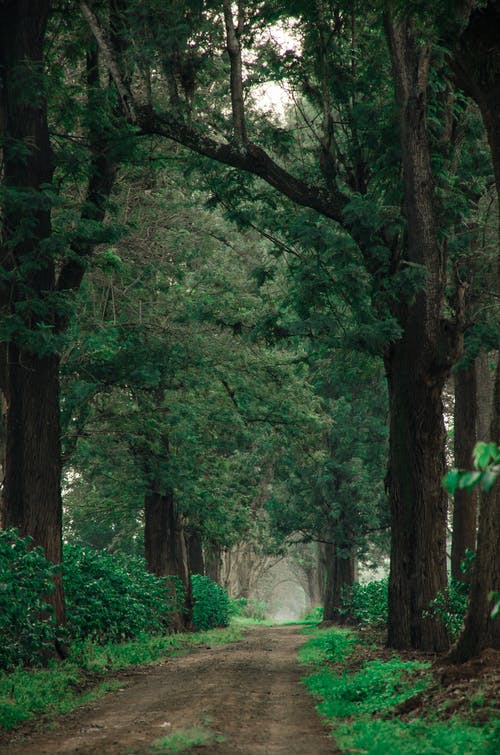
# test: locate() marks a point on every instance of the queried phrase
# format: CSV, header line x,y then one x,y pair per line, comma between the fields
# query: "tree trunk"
x,y
213,562
31,494
195,553
481,630
480,42
465,436
417,366
340,574
165,545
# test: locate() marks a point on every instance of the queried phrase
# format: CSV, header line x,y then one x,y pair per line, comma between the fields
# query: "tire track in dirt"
x,y
249,692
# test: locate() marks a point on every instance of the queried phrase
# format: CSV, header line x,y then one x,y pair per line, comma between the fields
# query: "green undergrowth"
x,y
359,695
63,686
185,740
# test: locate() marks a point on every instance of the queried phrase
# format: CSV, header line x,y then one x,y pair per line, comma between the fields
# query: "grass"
x,y
26,693
181,741
358,696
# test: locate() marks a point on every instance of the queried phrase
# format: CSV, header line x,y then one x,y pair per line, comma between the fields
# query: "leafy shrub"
x,y
367,604
450,605
27,626
110,598
211,605
314,615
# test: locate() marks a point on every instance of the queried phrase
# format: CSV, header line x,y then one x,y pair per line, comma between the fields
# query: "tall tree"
x,y
419,358
41,264
29,372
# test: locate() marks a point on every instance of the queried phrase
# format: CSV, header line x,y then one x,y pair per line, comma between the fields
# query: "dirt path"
x,y
249,692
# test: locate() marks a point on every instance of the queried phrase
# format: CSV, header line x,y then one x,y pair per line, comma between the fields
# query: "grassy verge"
x,y
26,693
363,699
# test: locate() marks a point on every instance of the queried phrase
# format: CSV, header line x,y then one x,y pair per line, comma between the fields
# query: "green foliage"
x,y
314,615
450,605
486,470
366,604
379,737
211,606
378,687
359,705
27,627
182,741
327,645
111,597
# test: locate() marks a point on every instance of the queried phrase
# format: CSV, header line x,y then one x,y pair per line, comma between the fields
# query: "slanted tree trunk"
x,y
465,436
29,377
417,366
165,545
340,575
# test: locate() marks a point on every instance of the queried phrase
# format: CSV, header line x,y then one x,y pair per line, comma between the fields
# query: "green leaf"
x,y
488,480
469,479
451,480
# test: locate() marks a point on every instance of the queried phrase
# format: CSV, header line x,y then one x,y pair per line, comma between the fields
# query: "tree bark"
x,y
165,545
465,436
340,574
417,366
195,553
481,630
476,62
31,493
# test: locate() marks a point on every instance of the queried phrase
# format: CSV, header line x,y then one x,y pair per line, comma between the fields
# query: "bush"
x,y
27,626
366,604
111,598
211,605
314,615
450,605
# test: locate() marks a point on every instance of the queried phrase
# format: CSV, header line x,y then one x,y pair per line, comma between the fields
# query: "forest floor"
x,y
245,697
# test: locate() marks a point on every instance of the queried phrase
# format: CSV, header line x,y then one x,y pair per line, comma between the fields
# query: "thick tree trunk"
x,y
31,494
340,575
418,504
165,545
417,366
465,436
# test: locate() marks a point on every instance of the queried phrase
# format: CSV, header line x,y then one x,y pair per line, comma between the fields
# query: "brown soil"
x,y
248,692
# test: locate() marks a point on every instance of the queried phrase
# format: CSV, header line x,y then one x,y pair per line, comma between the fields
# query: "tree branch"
x,y
233,35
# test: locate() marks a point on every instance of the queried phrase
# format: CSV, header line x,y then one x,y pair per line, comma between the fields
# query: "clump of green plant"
x,y
450,605
211,605
377,687
366,604
327,645
27,626
314,615
111,597
188,738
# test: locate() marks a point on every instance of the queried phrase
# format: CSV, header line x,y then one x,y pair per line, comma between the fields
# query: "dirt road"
x,y
247,695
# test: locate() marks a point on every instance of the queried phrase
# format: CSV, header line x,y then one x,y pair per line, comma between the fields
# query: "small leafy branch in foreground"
x,y
486,470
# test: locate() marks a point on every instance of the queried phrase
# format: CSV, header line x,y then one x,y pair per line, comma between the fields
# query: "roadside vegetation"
x,y
118,615
379,702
